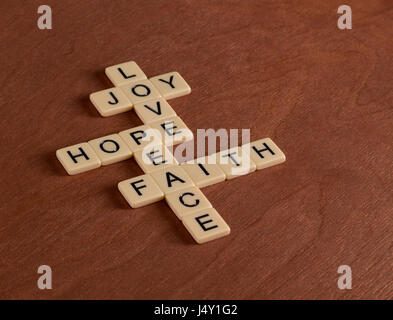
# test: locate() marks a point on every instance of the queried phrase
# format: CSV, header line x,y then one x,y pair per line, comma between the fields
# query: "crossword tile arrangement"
x,y
164,177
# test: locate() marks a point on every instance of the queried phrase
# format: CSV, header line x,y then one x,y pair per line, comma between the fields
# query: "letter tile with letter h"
x,y
164,178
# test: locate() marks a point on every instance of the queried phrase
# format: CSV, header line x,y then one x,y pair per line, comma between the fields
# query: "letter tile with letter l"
x,y
110,149
264,153
234,162
203,173
154,157
173,130
110,102
140,91
206,225
124,73
140,191
171,85
139,137
172,179
78,158
154,110
187,201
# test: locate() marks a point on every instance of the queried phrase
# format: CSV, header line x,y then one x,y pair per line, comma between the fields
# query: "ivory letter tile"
x,y
171,85
264,153
154,110
139,137
140,91
187,201
110,149
203,173
172,179
110,101
78,158
140,191
234,162
153,158
173,130
124,73
206,225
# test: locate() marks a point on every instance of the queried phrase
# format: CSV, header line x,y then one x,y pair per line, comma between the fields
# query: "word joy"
x,y
149,144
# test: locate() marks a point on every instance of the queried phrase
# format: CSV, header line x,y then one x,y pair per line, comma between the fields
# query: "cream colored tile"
x,y
202,173
206,225
234,162
153,158
171,85
110,101
139,137
187,201
173,130
140,191
154,110
124,73
172,179
78,158
110,149
140,91
264,153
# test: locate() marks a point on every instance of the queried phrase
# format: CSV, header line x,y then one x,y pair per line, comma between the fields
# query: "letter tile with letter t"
x,y
171,85
140,191
78,158
206,225
264,153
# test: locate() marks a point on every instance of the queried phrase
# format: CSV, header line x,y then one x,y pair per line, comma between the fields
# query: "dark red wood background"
x,y
282,69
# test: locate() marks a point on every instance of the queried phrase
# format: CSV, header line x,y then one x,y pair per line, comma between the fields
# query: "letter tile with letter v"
x,y
140,191
206,225
154,110
78,158
171,85
264,153
124,73
110,102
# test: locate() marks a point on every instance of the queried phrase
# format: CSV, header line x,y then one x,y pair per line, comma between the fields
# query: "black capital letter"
x,y
186,204
168,82
173,179
202,223
117,147
259,152
136,188
74,156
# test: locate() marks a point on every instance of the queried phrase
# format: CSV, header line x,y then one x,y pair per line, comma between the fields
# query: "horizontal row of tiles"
x,y
133,89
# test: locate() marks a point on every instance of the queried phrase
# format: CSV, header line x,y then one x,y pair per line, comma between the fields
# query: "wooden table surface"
x,y
285,71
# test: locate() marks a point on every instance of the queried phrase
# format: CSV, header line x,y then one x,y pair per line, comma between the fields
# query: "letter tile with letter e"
x,y
154,110
203,173
124,73
264,153
140,91
110,101
140,191
78,158
173,130
172,179
154,157
139,137
187,201
234,162
206,225
171,85
110,149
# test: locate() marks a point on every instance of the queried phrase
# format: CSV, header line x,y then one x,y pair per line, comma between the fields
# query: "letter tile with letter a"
x,y
154,110
110,101
206,225
140,191
234,162
124,73
139,137
264,153
171,85
187,201
78,158
110,149
172,179
140,91
203,173
173,130
154,157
